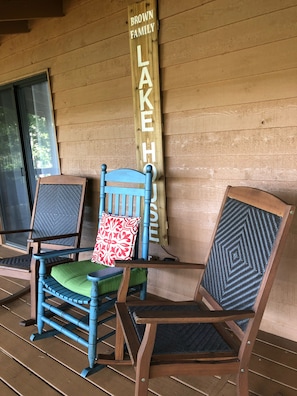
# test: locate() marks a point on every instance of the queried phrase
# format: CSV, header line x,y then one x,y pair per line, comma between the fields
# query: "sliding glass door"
x,y
28,150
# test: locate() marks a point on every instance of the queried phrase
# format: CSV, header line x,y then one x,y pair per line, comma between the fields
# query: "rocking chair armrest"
x,y
183,316
146,264
62,252
109,272
3,232
52,237
157,264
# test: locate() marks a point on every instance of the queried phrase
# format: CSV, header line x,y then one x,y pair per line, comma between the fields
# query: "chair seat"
x,y
23,262
72,277
189,338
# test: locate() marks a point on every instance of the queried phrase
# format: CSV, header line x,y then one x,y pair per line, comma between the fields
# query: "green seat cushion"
x,y
73,276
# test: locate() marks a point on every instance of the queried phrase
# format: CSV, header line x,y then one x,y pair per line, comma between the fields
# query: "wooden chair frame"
x,y
147,363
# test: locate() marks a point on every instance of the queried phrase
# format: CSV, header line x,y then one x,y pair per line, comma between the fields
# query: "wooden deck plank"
x,y
278,354
67,360
274,371
9,281
5,389
166,386
179,385
274,340
43,366
75,359
9,286
52,366
23,381
260,385
210,385
21,306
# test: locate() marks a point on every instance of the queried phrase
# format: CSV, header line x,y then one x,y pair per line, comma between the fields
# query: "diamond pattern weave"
x,y
57,211
239,255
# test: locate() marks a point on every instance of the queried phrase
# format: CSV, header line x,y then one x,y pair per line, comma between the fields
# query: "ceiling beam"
x,y
14,27
14,10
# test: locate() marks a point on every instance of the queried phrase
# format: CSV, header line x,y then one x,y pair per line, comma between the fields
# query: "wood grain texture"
x,y
52,366
228,96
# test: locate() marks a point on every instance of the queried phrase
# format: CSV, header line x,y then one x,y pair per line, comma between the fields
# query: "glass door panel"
x,y
15,204
39,132
28,150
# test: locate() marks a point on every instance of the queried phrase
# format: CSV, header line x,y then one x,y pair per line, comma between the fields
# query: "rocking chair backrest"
x,y
58,206
239,269
127,192
210,337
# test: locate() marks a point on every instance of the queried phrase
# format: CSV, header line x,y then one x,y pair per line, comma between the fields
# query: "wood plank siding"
x,y
228,73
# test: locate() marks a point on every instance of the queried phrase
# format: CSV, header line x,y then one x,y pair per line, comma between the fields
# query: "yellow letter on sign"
x,y
143,34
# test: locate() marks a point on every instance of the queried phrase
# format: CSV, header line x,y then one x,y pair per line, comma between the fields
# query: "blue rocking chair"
x,y
91,285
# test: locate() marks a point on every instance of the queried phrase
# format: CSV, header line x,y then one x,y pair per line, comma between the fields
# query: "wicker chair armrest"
x,y
157,264
62,252
52,237
184,316
3,232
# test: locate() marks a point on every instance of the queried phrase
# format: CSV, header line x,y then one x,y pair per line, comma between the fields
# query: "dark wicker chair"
x,y
55,224
214,334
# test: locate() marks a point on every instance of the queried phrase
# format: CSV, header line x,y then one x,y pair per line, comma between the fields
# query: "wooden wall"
x,y
229,100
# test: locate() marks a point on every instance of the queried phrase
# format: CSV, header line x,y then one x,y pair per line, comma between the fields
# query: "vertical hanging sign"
x,y
143,37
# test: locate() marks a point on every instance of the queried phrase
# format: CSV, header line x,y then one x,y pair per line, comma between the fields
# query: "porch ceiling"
x,y
15,15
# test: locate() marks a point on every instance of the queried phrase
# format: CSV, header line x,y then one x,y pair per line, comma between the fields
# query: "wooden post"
x,y
144,53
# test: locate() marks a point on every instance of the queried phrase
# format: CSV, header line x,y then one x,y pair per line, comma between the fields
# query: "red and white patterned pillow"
x,y
115,239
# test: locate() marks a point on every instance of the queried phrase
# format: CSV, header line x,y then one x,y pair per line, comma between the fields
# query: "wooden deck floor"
x,y
52,366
